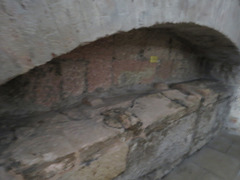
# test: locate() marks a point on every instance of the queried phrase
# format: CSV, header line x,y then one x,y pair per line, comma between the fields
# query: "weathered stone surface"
x,y
204,127
98,106
127,137
50,148
42,147
85,133
160,149
119,118
106,167
7,175
210,122
200,88
233,122
154,108
48,170
192,102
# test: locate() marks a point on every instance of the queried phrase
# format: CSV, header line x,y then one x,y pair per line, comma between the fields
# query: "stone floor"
x,y
218,160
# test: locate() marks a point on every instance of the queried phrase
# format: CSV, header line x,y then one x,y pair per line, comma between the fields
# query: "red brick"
x,y
99,74
165,70
99,56
49,83
44,86
73,77
100,48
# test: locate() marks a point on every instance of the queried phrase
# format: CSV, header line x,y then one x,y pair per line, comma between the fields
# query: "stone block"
x,y
204,127
87,132
155,108
192,102
49,170
160,149
39,148
124,137
40,155
206,89
106,167
210,122
120,118
50,148
84,111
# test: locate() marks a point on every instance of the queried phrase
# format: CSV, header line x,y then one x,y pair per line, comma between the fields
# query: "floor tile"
x,y
238,176
217,163
234,151
190,171
220,143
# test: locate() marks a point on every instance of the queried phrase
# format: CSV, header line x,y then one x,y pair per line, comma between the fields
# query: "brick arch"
x,y
32,33
119,64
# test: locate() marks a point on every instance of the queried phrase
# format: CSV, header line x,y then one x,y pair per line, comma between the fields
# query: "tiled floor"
x,y
219,160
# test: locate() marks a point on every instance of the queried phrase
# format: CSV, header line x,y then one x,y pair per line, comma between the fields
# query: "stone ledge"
x,y
209,91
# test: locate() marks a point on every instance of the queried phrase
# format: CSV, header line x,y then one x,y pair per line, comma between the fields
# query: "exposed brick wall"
x,y
118,61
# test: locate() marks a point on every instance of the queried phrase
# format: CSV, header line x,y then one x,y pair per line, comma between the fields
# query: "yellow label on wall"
x,y
154,59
